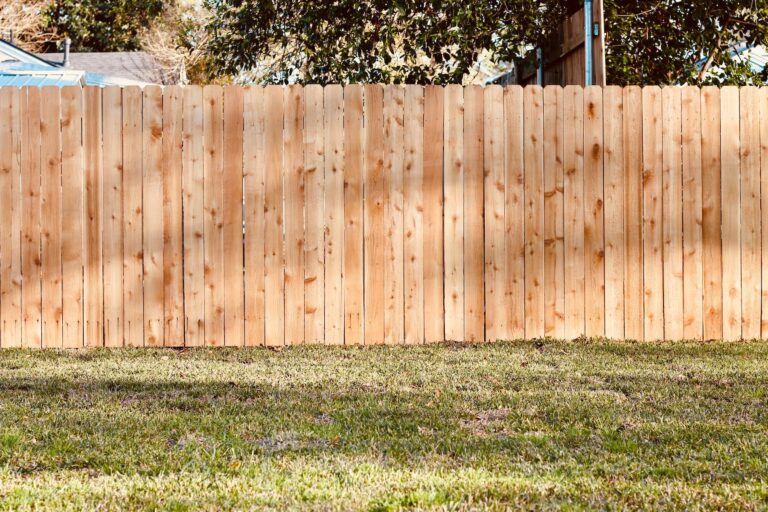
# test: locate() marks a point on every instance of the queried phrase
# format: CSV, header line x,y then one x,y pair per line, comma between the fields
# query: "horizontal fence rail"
x,y
191,216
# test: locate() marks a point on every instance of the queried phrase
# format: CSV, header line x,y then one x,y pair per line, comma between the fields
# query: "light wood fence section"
x,y
367,214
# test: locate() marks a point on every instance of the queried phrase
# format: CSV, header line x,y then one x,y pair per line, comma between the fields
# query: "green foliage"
x,y
102,25
415,41
666,41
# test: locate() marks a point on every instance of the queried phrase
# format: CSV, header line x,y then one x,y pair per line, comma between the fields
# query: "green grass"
x,y
535,425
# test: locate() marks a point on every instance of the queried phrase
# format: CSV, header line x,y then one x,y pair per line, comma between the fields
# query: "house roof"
x,y
21,68
130,66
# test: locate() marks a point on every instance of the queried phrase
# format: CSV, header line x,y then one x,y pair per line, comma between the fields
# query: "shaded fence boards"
x,y
367,214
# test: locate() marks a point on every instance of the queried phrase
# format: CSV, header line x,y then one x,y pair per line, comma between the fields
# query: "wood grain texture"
x,y
51,223
495,188
152,198
213,143
653,264
533,126
633,213
254,153
29,147
432,190
193,183
594,228
453,216
173,244
394,292
763,113
274,253
573,210
381,214
354,172
10,221
333,171
133,216
730,185
374,214
413,208
474,257
293,172
749,156
314,236
232,217
613,155
672,212
693,285
94,215
711,213
554,292
112,157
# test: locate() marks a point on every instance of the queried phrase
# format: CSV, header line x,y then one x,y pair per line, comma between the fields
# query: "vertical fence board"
x,y
254,154
692,215
731,212
672,213
474,259
274,281
533,123
514,230
112,154
653,269
434,313
614,212
354,164
413,204
133,215
333,171
393,211
633,213
314,238
554,293
95,212
194,215
495,186
374,214
152,197
173,246
10,248
232,217
750,212
594,248
711,212
77,161
213,140
30,143
50,194
763,113
573,210
293,172
453,217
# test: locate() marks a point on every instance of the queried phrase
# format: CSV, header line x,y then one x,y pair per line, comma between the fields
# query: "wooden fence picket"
x,y
232,217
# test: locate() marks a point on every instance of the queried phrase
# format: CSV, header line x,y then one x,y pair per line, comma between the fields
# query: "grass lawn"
x,y
534,425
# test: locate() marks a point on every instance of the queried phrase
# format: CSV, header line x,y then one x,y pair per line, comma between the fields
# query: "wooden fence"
x,y
369,214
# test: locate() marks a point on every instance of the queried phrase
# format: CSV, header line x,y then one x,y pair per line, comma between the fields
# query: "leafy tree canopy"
x,y
683,41
416,41
102,25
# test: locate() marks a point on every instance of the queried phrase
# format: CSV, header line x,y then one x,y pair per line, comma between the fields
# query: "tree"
x,y
416,41
683,41
23,22
102,25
